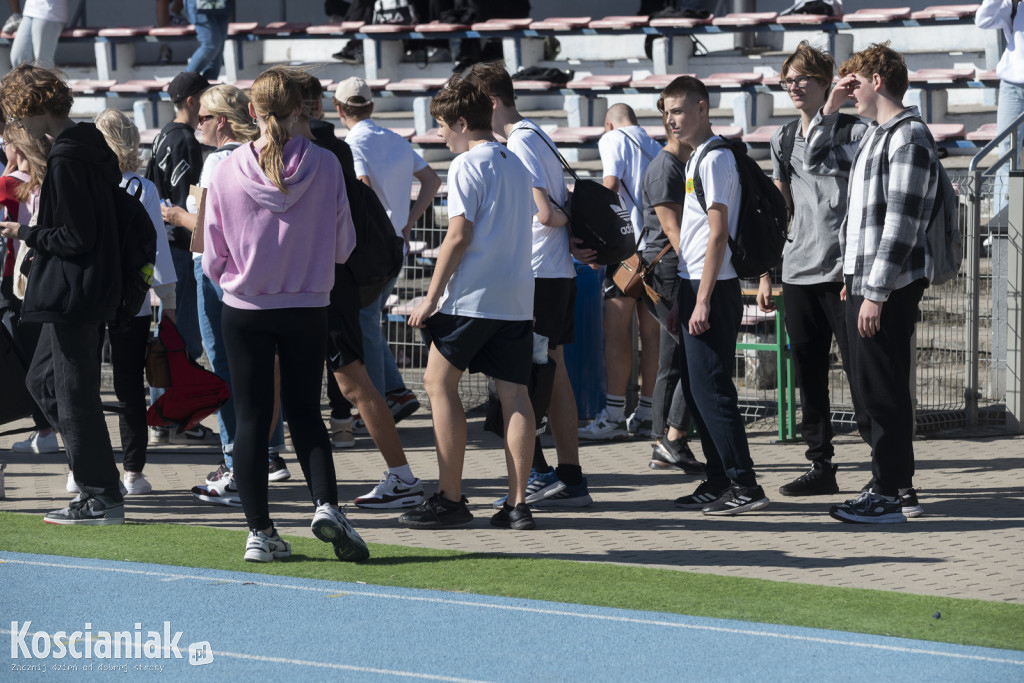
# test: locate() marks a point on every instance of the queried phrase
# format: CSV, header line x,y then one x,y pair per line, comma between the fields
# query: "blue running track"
x,y
273,628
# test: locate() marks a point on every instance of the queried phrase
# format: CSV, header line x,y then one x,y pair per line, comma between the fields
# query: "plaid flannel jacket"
x,y
899,191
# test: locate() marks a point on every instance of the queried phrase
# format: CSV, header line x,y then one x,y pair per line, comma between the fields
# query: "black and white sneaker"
x,y
518,517
437,512
817,481
911,507
331,526
219,473
277,470
667,456
88,509
869,508
197,436
707,492
736,500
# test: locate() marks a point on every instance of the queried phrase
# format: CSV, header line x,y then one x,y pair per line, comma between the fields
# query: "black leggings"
x,y
297,336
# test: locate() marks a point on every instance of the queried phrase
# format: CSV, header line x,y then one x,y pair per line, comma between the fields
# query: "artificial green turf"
x,y
967,622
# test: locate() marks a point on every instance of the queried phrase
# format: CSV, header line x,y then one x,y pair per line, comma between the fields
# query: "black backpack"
x,y
378,254
596,216
762,226
137,239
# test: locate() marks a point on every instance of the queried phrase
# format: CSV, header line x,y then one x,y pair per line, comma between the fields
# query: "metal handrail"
x,y
972,393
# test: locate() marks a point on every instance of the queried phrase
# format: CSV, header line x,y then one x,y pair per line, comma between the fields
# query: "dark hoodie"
x,y
75,276
323,135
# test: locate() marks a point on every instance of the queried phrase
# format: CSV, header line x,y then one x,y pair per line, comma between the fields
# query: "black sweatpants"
x,y
880,367
297,336
128,359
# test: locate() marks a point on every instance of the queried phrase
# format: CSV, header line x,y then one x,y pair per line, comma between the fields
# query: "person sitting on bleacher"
x,y
812,272
388,164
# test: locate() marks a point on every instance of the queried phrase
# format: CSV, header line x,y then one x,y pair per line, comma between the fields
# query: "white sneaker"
x,y
72,485
341,433
135,483
38,444
331,526
392,492
604,429
641,429
158,435
262,548
221,492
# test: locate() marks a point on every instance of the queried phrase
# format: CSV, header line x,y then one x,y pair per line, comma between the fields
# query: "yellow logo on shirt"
x,y
689,186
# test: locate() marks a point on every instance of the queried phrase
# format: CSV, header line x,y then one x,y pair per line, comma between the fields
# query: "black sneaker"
x,y
707,492
89,509
911,508
869,508
817,481
518,517
352,53
218,474
437,512
277,470
737,500
667,457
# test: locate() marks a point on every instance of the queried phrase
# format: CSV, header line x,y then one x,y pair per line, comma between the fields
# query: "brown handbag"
x,y
158,372
633,275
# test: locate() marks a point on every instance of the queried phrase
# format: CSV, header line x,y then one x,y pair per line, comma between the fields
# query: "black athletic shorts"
x,y
502,349
608,287
344,335
554,310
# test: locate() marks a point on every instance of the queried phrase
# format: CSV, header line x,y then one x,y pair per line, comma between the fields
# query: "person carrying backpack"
x,y
709,307
887,264
74,285
812,271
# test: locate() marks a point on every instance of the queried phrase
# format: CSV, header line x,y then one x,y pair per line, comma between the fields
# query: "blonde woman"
x,y
128,347
224,123
277,222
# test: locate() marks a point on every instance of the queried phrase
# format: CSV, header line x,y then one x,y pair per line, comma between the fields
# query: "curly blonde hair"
x,y
122,136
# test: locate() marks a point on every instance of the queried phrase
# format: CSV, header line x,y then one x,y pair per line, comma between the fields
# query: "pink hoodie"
x,y
269,249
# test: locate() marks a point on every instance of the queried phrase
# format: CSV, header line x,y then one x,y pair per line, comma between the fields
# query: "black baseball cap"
x,y
186,84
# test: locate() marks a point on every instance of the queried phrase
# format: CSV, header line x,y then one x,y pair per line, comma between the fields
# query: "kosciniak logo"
x,y
85,644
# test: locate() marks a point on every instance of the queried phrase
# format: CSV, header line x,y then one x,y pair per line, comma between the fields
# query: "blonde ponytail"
x,y
275,95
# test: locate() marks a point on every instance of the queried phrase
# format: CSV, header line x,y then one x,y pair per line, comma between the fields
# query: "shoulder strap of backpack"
x,y
565,164
698,186
786,144
642,150
137,191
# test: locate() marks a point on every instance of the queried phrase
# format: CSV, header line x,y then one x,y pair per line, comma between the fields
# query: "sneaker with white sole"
x,y
221,492
37,443
135,483
262,548
197,436
221,471
604,429
341,433
911,507
392,493
737,500
158,435
565,496
869,508
277,470
638,428
706,493
331,526
535,482
72,486
90,510
402,403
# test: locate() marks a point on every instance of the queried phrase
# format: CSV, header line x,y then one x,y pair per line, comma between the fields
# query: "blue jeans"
x,y
380,362
211,31
1010,106
707,366
36,40
186,319
210,298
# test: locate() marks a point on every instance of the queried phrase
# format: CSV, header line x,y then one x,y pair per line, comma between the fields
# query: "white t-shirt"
x,y
492,189
389,162
50,10
212,160
163,269
721,183
625,154
855,209
551,257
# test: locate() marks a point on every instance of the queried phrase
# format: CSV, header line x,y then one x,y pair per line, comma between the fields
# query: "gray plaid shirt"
x,y
898,194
